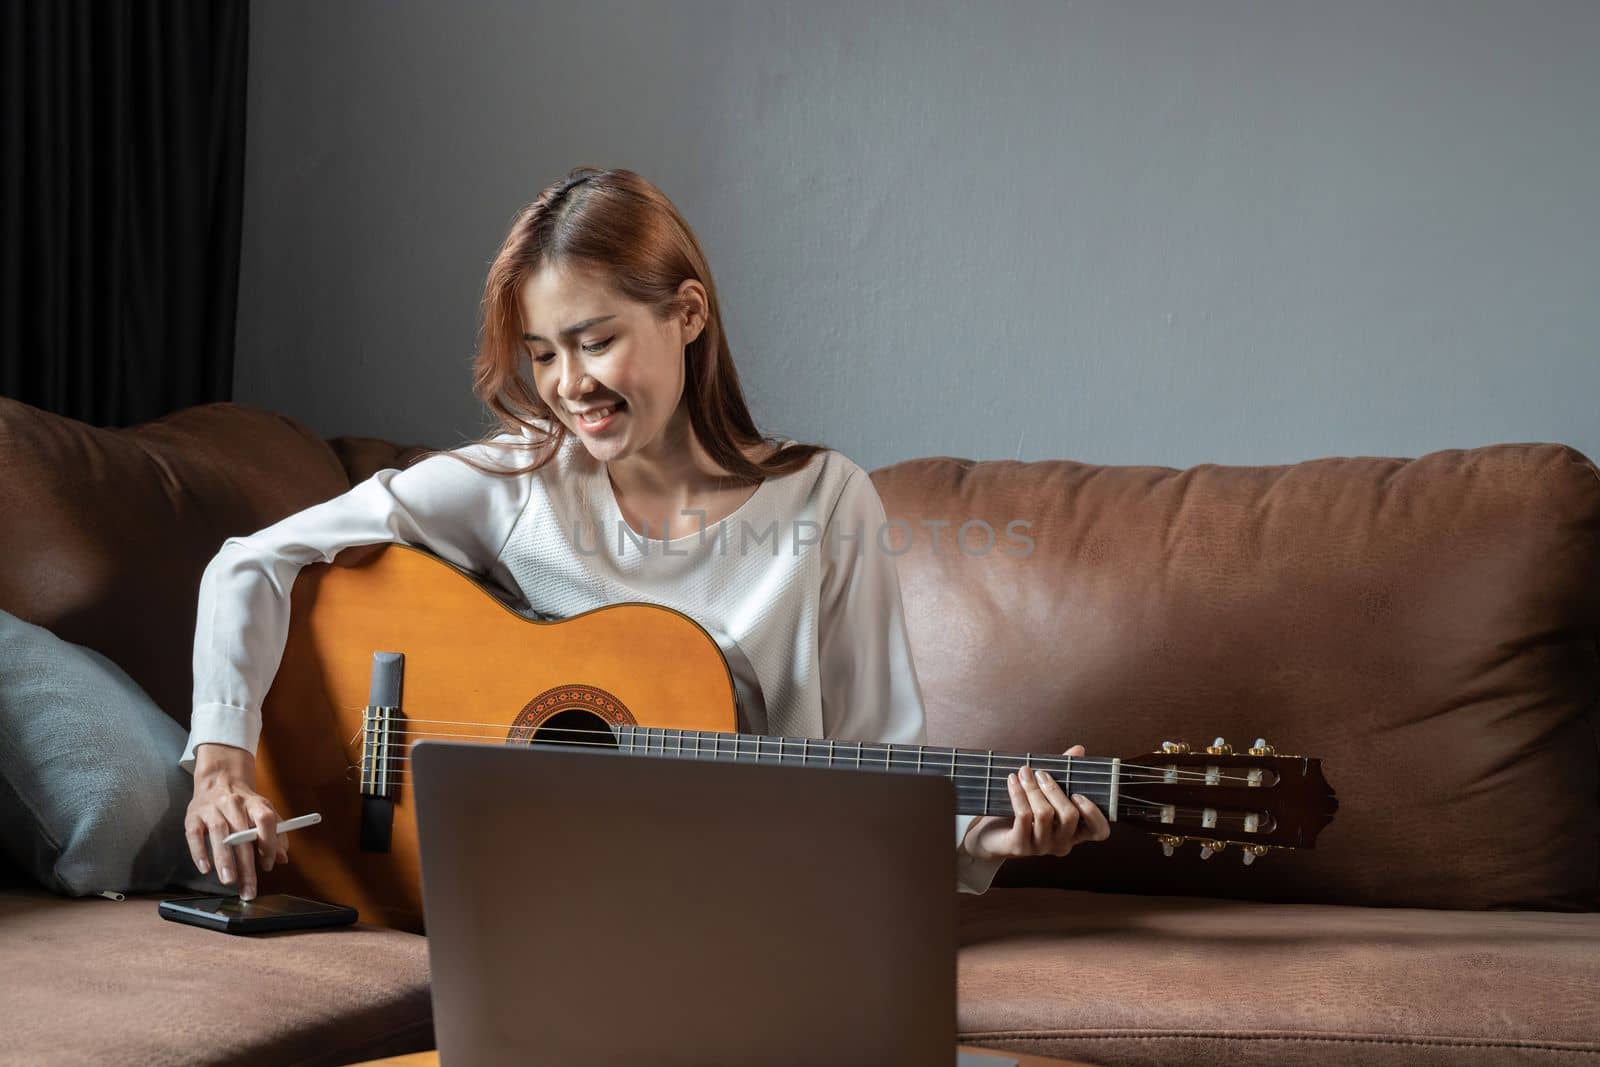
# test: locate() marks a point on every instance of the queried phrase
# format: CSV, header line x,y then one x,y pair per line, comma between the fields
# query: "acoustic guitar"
x,y
389,645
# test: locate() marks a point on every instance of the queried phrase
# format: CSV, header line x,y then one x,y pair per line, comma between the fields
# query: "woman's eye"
x,y
596,347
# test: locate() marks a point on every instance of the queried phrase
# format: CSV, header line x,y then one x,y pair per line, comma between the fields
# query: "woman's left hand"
x,y
1047,822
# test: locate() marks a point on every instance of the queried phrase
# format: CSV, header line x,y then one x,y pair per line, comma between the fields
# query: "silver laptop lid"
x,y
593,907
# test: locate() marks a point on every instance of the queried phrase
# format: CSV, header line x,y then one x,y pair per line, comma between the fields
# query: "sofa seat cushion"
x,y
1123,979
90,980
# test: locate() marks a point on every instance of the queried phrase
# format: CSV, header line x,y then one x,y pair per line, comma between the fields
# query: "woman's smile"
x,y
612,414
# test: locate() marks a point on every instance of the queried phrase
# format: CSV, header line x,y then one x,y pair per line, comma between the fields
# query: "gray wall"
x,y
1168,233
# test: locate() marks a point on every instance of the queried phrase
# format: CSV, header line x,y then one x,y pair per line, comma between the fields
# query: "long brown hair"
x,y
619,227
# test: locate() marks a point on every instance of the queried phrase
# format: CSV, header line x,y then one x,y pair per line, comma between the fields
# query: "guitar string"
x,y
502,727
1089,764
964,791
393,776
1224,817
996,783
1000,792
1077,774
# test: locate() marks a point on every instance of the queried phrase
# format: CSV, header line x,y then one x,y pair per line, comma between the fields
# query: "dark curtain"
x,y
122,143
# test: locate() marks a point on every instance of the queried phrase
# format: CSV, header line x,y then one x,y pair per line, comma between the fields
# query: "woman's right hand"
x,y
225,801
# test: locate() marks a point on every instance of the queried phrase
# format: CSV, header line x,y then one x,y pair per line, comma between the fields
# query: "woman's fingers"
x,y
244,856
221,855
266,823
1041,823
1047,821
1095,825
1054,818
1063,817
1021,832
194,832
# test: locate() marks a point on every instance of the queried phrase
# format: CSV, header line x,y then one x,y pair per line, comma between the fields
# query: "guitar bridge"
x,y
377,750
382,747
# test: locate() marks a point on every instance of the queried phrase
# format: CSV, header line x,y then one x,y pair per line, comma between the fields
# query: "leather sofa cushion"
x,y
100,981
1429,627
107,531
1139,980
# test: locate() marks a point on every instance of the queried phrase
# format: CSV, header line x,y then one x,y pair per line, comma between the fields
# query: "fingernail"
x,y
1044,779
227,876
1080,798
249,893
204,867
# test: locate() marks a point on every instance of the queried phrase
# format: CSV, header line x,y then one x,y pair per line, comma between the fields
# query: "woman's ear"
x,y
694,294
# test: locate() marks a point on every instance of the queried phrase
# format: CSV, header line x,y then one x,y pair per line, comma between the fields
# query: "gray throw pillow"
x,y
91,794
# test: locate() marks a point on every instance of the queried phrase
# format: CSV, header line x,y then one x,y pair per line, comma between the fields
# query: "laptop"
x,y
590,906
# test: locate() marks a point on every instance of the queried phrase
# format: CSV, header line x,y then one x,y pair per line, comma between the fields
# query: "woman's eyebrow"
x,y
574,328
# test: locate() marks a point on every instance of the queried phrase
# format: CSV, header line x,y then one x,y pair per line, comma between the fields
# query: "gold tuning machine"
x,y
1172,748
1219,747
1170,842
1211,848
1252,851
1260,748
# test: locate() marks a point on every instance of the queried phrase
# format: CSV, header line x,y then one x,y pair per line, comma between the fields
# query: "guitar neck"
x,y
979,775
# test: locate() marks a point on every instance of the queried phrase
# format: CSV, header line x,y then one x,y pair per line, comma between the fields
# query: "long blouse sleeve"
x,y
869,682
242,622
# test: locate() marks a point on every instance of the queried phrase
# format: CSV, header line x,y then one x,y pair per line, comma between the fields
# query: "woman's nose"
x,y
575,382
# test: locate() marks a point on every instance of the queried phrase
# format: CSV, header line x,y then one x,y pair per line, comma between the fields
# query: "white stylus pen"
x,y
244,837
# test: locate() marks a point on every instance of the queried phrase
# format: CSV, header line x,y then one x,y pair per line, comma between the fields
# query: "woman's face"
x,y
617,355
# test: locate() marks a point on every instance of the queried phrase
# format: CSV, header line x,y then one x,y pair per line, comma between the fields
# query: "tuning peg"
x,y
1252,851
1172,748
1260,748
1169,842
1210,848
1219,747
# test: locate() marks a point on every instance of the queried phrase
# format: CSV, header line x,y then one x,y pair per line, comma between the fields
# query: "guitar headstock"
x,y
1256,799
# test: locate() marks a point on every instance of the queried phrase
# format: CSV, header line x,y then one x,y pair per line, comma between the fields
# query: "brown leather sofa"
x,y
1430,628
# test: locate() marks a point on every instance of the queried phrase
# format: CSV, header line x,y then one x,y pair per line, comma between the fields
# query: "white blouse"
x,y
822,628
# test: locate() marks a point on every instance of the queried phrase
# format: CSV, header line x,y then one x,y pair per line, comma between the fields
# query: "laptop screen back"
x,y
597,907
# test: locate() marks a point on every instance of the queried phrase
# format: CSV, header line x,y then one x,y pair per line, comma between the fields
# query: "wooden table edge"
x,y
431,1059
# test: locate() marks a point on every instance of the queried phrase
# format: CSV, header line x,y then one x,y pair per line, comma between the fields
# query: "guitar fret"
x,y
988,782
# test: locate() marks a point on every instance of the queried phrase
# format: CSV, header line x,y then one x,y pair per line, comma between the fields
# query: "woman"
x,y
603,357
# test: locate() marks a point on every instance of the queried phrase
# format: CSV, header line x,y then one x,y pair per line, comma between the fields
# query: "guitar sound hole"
x,y
576,728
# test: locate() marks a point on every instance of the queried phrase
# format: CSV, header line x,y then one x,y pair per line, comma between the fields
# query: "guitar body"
x,y
473,670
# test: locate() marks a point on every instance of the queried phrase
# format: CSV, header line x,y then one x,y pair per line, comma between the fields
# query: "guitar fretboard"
x,y
979,776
